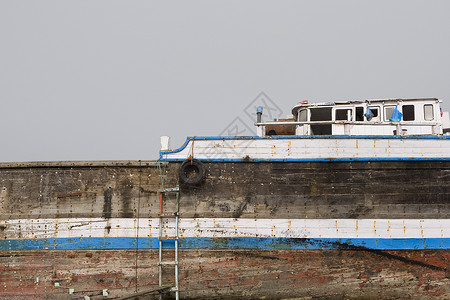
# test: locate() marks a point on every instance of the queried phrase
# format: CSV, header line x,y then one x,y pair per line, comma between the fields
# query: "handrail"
x,y
350,123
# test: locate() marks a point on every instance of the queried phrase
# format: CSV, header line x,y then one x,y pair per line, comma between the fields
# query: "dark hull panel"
x,y
232,190
322,190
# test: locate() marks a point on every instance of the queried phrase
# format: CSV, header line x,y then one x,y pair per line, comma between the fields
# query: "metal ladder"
x,y
164,216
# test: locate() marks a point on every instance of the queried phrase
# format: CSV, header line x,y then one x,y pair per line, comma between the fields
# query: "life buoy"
x,y
191,172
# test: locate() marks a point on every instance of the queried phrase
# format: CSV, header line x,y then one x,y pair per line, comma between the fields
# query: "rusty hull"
x,y
232,274
234,190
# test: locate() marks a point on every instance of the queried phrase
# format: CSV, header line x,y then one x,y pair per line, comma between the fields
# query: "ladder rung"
x,y
167,238
172,288
168,263
170,190
171,215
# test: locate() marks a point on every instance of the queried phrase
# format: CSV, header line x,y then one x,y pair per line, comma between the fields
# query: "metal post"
x,y
398,129
259,112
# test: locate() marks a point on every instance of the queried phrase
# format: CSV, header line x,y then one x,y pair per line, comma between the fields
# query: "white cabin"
x,y
419,117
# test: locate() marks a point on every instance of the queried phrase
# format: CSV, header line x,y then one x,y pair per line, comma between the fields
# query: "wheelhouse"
x,y
368,117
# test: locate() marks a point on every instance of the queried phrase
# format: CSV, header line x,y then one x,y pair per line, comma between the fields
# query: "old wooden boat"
x,y
343,200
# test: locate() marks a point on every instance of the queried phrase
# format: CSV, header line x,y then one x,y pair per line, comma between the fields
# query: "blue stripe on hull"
x,y
312,159
224,243
305,137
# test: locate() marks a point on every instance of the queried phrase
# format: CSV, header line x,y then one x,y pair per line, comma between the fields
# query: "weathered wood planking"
x,y
384,190
231,274
293,191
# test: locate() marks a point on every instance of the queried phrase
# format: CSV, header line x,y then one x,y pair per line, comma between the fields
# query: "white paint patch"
x,y
226,227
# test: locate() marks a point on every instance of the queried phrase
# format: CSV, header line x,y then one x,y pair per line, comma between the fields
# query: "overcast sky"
x,y
102,80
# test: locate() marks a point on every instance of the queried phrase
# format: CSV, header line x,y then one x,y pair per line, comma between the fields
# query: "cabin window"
x,y
376,113
388,110
408,113
428,112
303,115
343,114
321,129
321,114
360,114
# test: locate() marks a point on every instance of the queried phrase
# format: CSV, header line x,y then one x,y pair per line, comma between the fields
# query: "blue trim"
x,y
314,159
225,243
292,137
179,149
298,137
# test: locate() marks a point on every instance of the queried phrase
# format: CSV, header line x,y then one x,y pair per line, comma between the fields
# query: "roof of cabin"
x,y
369,101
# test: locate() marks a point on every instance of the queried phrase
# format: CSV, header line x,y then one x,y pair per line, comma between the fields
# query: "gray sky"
x,y
94,80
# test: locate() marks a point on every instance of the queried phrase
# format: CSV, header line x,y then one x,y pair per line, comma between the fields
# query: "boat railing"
x,y
347,125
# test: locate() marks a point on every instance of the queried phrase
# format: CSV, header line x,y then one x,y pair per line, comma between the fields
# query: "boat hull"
x,y
336,229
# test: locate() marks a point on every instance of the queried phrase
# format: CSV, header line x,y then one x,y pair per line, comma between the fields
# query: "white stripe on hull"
x,y
349,148
226,227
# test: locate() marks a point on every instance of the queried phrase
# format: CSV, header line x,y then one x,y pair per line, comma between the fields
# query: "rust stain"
x,y
337,229
357,146
274,148
272,231
375,227
421,228
404,227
